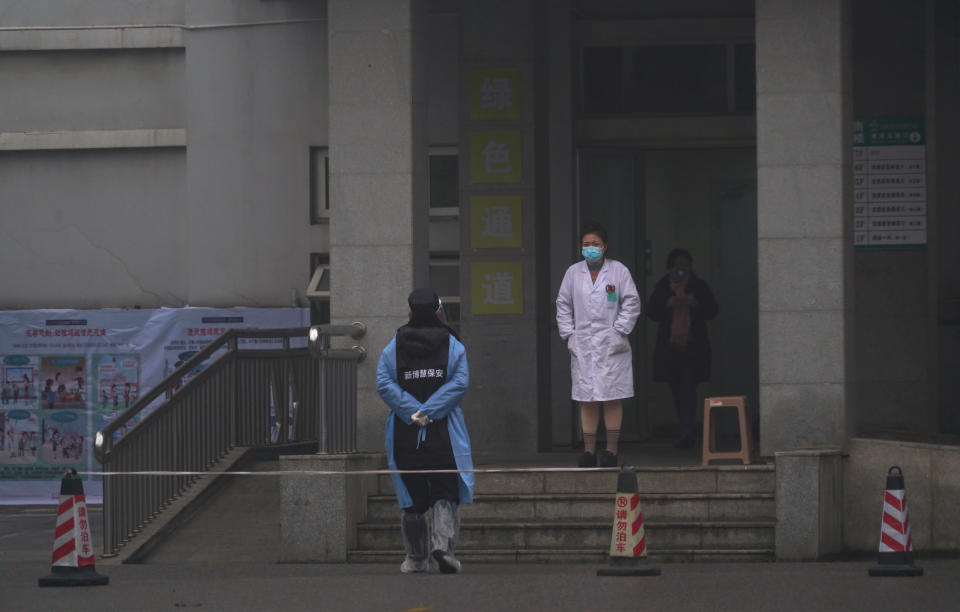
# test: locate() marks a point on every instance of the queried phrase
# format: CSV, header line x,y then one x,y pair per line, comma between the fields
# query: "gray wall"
x,y
92,90
895,289
932,492
944,63
256,103
223,221
86,229
16,13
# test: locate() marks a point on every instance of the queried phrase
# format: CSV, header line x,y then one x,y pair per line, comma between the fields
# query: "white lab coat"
x,y
596,327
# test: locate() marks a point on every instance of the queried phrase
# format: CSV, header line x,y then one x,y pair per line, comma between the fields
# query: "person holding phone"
x,y
682,303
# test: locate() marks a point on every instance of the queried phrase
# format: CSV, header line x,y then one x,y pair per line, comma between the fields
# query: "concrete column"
x,y
502,348
377,170
809,504
804,222
562,201
319,516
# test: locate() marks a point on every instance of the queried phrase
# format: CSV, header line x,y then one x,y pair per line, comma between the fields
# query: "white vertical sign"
x,y
889,183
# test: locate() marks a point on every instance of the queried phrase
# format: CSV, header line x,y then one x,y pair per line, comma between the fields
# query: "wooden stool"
x,y
710,432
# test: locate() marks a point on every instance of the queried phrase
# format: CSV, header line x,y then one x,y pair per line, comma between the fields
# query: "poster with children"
x,y
63,382
18,381
117,381
66,436
64,374
20,436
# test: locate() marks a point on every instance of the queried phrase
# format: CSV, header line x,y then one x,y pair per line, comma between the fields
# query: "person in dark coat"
x,y
682,303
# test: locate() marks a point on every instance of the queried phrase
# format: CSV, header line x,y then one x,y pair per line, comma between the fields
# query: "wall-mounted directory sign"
x,y
889,183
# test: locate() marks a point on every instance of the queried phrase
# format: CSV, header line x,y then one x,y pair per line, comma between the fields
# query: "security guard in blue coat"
x,y
422,375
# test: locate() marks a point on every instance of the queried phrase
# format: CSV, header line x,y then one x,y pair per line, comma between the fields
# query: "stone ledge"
x,y
810,452
87,38
943,442
53,140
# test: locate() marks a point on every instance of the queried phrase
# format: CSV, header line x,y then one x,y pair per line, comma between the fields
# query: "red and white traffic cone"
x,y
628,545
73,563
896,545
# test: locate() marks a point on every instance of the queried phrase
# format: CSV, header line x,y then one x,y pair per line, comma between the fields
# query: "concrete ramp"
x,y
237,522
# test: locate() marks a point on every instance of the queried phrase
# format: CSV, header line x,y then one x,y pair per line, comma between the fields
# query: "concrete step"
x,y
523,535
712,479
573,555
597,506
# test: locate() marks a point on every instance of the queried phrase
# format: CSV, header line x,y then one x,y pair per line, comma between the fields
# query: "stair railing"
x,y
223,397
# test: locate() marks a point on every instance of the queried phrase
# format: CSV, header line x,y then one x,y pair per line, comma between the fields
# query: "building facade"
x,y
220,152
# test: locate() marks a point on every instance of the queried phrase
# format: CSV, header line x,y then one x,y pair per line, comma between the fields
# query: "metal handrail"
x,y
319,347
242,398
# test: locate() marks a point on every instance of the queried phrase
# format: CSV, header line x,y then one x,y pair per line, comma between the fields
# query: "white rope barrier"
x,y
523,470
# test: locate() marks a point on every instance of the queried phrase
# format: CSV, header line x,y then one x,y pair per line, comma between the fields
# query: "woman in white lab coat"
x,y
597,307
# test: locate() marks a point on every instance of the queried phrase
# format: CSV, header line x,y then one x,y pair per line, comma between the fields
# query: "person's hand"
x,y
420,419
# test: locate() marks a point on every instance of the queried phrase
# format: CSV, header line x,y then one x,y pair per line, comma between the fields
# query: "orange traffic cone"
x,y
628,545
896,545
73,563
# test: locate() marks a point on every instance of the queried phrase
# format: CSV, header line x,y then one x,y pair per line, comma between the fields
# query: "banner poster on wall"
x,y
64,374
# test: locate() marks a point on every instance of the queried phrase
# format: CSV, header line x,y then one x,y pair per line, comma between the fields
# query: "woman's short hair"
x,y
594,228
675,253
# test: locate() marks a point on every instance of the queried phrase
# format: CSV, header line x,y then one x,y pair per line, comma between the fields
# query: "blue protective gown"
x,y
445,402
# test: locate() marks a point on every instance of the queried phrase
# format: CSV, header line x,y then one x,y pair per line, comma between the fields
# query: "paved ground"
x,y
26,537
770,586
198,580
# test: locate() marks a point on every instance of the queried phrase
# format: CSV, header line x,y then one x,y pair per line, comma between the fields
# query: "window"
x,y
444,172
674,79
319,185
318,290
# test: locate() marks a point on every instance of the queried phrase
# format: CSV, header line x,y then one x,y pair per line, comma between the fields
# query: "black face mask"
x,y
678,274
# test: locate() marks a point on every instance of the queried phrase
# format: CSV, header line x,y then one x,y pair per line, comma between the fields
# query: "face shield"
x,y
441,311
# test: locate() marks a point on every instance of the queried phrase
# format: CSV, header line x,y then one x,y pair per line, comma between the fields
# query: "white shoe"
x,y
411,566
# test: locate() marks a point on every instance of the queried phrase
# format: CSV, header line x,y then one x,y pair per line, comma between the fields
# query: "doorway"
x,y
611,194
704,200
